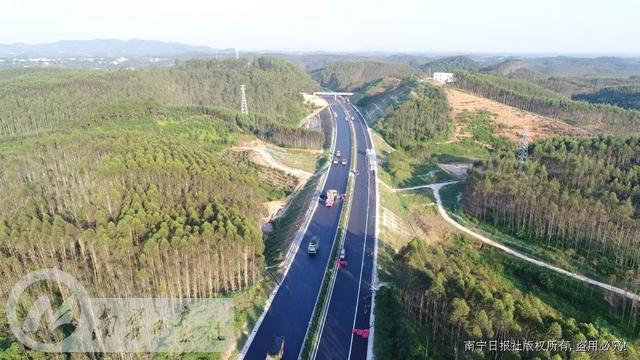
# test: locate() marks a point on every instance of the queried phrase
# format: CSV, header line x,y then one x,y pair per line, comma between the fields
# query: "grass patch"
x,y
396,325
302,159
286,227
249,305
450,196
376,105
567,260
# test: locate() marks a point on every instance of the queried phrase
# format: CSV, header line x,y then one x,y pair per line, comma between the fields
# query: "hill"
x,y
315,61
127,179
38,100
627,97
514,68
574,195
106,47
134,209
509,121
425,115
351,75
451,64
566,66
534,98
586,67
568,86
379,97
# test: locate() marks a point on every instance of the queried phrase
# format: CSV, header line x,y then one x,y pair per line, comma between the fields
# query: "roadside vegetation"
x,y
40,100
425,116
443,289
126,180
351,75
531,97
455,292
579,196
134,210
379,97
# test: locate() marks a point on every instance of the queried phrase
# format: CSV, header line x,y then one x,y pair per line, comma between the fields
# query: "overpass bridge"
x,y
332,93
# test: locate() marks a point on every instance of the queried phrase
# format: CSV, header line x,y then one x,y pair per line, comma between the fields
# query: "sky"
x,y
473,26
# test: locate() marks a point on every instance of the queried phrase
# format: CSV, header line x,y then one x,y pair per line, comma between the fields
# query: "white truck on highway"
x,y
332,195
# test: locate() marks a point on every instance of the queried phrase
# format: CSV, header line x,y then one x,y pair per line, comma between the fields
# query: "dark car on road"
x,y
312,249
276,351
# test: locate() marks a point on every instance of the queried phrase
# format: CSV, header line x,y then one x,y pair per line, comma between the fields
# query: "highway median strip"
x,y
312,337
295,245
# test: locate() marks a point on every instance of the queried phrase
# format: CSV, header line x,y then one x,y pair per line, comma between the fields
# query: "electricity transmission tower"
x,y
523,149
243,105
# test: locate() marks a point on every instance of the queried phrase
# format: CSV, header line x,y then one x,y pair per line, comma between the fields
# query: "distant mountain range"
x,y
539,67
565,66
107,47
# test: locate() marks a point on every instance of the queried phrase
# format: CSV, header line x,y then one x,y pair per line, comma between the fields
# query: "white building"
x,y
443,77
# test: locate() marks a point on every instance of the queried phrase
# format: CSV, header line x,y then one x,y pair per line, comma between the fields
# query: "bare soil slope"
x,y
509,120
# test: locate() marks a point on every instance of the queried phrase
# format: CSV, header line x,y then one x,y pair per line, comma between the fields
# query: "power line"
x,y
523,149
243,105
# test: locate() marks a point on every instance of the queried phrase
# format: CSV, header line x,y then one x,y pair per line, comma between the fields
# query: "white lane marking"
x,y
325,310
374,275
364,248
300,236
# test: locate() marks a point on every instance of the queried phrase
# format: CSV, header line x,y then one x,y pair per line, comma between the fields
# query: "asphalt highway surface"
x,y
350,299
290,311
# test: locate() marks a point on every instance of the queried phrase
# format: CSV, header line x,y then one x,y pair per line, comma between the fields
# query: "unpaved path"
x,y
436,193
269,161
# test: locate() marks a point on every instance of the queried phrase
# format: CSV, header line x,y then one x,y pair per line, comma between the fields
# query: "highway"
x,y
350,299
292,306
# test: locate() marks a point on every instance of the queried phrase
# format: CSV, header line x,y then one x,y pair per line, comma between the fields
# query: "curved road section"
x,y
350,298
291,308
436,192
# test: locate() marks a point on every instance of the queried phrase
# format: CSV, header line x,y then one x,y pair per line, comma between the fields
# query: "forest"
x,y
570,87
627,97
38,100
350,75
585,68
578,195
618,91
454,292
537,99
125,178
451,64
148,207
423,116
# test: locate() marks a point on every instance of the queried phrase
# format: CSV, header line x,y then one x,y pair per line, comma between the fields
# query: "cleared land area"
x,y
300,163
509,120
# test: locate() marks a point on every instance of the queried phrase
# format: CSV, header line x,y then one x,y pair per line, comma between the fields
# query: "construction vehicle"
x,y
312,249
276,352
332,195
